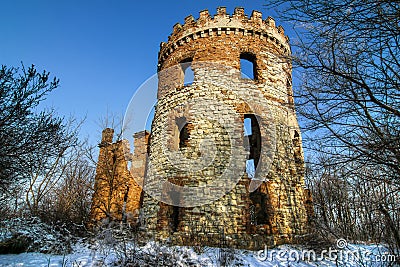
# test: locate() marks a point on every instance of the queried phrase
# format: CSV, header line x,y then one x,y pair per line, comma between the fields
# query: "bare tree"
x,y
44,168
59,190
113,121
68,201
45,175
347,53
27,136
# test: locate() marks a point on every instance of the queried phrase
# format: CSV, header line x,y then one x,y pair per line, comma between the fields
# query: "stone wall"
x,y
137,170
118,190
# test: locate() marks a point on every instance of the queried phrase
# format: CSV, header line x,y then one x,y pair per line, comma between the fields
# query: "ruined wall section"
x,y
111,180
117,193
137,171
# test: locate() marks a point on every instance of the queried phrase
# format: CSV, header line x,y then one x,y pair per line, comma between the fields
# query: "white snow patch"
x,y
101,255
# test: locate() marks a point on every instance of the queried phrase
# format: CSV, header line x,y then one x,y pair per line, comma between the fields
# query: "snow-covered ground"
x,y
110,247
101,255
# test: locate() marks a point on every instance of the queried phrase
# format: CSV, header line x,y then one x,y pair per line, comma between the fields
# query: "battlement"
x,y
222,23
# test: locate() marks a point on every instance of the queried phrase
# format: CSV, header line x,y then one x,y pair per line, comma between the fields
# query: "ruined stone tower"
x,y
118,190
223,165
197,188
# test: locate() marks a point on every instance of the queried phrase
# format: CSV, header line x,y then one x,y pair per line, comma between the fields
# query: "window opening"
x,y
175,215
184,136
296,147
247,126
250,168
188,74
252,143
261,203
248,66
183,128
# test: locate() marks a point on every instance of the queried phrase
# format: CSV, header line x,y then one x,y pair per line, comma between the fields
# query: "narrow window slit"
x,y
252,143
248,66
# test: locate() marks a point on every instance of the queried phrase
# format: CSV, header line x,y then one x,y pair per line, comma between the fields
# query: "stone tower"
x,y
198,189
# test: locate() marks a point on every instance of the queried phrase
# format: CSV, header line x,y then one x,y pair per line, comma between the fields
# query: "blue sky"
x,y
101,51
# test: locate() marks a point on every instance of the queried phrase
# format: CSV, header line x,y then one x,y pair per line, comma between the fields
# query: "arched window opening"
x,y
184,131
252,143
248,67
188,74
184,136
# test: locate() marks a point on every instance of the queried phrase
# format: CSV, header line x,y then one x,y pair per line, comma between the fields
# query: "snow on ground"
x,y
111,248
100,255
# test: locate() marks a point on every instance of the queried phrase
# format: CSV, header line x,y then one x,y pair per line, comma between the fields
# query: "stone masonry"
x,y
117,190
198,143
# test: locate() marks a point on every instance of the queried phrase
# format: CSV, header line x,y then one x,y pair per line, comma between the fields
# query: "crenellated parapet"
x,y
238,24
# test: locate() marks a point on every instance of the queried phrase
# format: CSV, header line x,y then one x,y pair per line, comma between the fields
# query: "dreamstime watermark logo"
x,y
342,253
216,104
341,243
